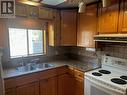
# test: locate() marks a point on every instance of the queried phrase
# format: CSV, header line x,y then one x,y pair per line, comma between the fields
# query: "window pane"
x,y
18,42
35,41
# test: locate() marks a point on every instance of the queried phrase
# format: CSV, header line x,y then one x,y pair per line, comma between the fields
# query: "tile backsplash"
x,y
81,53
74,52
53,53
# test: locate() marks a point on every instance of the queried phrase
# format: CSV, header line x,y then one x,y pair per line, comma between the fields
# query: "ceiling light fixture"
x,y
30,2
106,3
82,7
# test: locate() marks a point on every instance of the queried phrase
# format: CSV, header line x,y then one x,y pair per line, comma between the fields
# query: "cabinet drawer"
x,y
47,74
78,73
26,79
62,70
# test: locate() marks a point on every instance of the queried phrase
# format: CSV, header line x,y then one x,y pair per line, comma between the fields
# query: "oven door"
x,y
94,88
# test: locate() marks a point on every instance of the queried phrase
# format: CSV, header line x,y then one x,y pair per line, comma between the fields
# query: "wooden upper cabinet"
x,y
45,13
68,27
20,10
54,29
123,17
48,86
32,11
108,19
87,23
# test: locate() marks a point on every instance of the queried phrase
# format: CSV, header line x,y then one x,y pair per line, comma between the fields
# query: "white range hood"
x,y
53,2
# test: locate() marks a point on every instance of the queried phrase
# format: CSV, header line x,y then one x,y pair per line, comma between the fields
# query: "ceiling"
x,y
66,3
73,3
57,3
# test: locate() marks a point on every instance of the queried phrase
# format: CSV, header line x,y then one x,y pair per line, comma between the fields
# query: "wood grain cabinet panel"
x,y
32,11
28,89
68,27
108,19
79,86
45,13
11,91
48,86
21,10
65,85
54,29
123,17
87,27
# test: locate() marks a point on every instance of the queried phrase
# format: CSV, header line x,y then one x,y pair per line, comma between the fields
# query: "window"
x,y
24,42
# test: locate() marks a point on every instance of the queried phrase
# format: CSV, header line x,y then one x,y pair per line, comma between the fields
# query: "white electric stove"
x,y
110,79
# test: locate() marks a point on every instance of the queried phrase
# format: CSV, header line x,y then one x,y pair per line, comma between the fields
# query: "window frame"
x,y
27,35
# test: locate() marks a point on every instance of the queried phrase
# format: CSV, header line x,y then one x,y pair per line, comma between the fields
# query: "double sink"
x,y
34,66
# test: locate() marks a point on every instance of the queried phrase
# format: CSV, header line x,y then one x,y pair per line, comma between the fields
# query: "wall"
x,y
114,50
52,52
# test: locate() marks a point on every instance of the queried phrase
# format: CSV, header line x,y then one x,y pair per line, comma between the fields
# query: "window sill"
x,y
25,56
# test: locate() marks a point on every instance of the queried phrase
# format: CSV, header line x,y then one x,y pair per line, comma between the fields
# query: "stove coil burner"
x,y
118,81
123,77
96,74
104,72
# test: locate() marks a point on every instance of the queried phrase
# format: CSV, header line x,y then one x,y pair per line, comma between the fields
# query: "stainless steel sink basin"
x,y
25,68
41,66
31,67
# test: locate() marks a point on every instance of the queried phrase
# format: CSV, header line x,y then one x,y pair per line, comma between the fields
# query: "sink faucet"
x,y
22,61
35,60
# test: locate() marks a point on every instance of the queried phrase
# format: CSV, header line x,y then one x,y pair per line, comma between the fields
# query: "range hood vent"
x,y
121,38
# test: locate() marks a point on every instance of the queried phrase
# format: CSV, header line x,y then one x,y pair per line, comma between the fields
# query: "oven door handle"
x,y
105,88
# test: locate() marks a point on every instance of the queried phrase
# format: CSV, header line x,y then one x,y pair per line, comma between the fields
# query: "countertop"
x,y
83,66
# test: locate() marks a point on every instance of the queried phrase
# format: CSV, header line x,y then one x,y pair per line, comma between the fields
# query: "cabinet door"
x,y
45,13
79,86
123,17
65,85
54,29
48,86
68,27
11,91
20,10
28,89
87,25
32,11
108,19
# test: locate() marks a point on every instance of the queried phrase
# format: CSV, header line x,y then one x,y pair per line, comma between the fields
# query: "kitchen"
x,y
64,47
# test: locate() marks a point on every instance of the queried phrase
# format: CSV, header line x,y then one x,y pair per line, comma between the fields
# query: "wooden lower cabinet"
x,y
10,91
67,81
65,85
48,86
79,86
28,89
